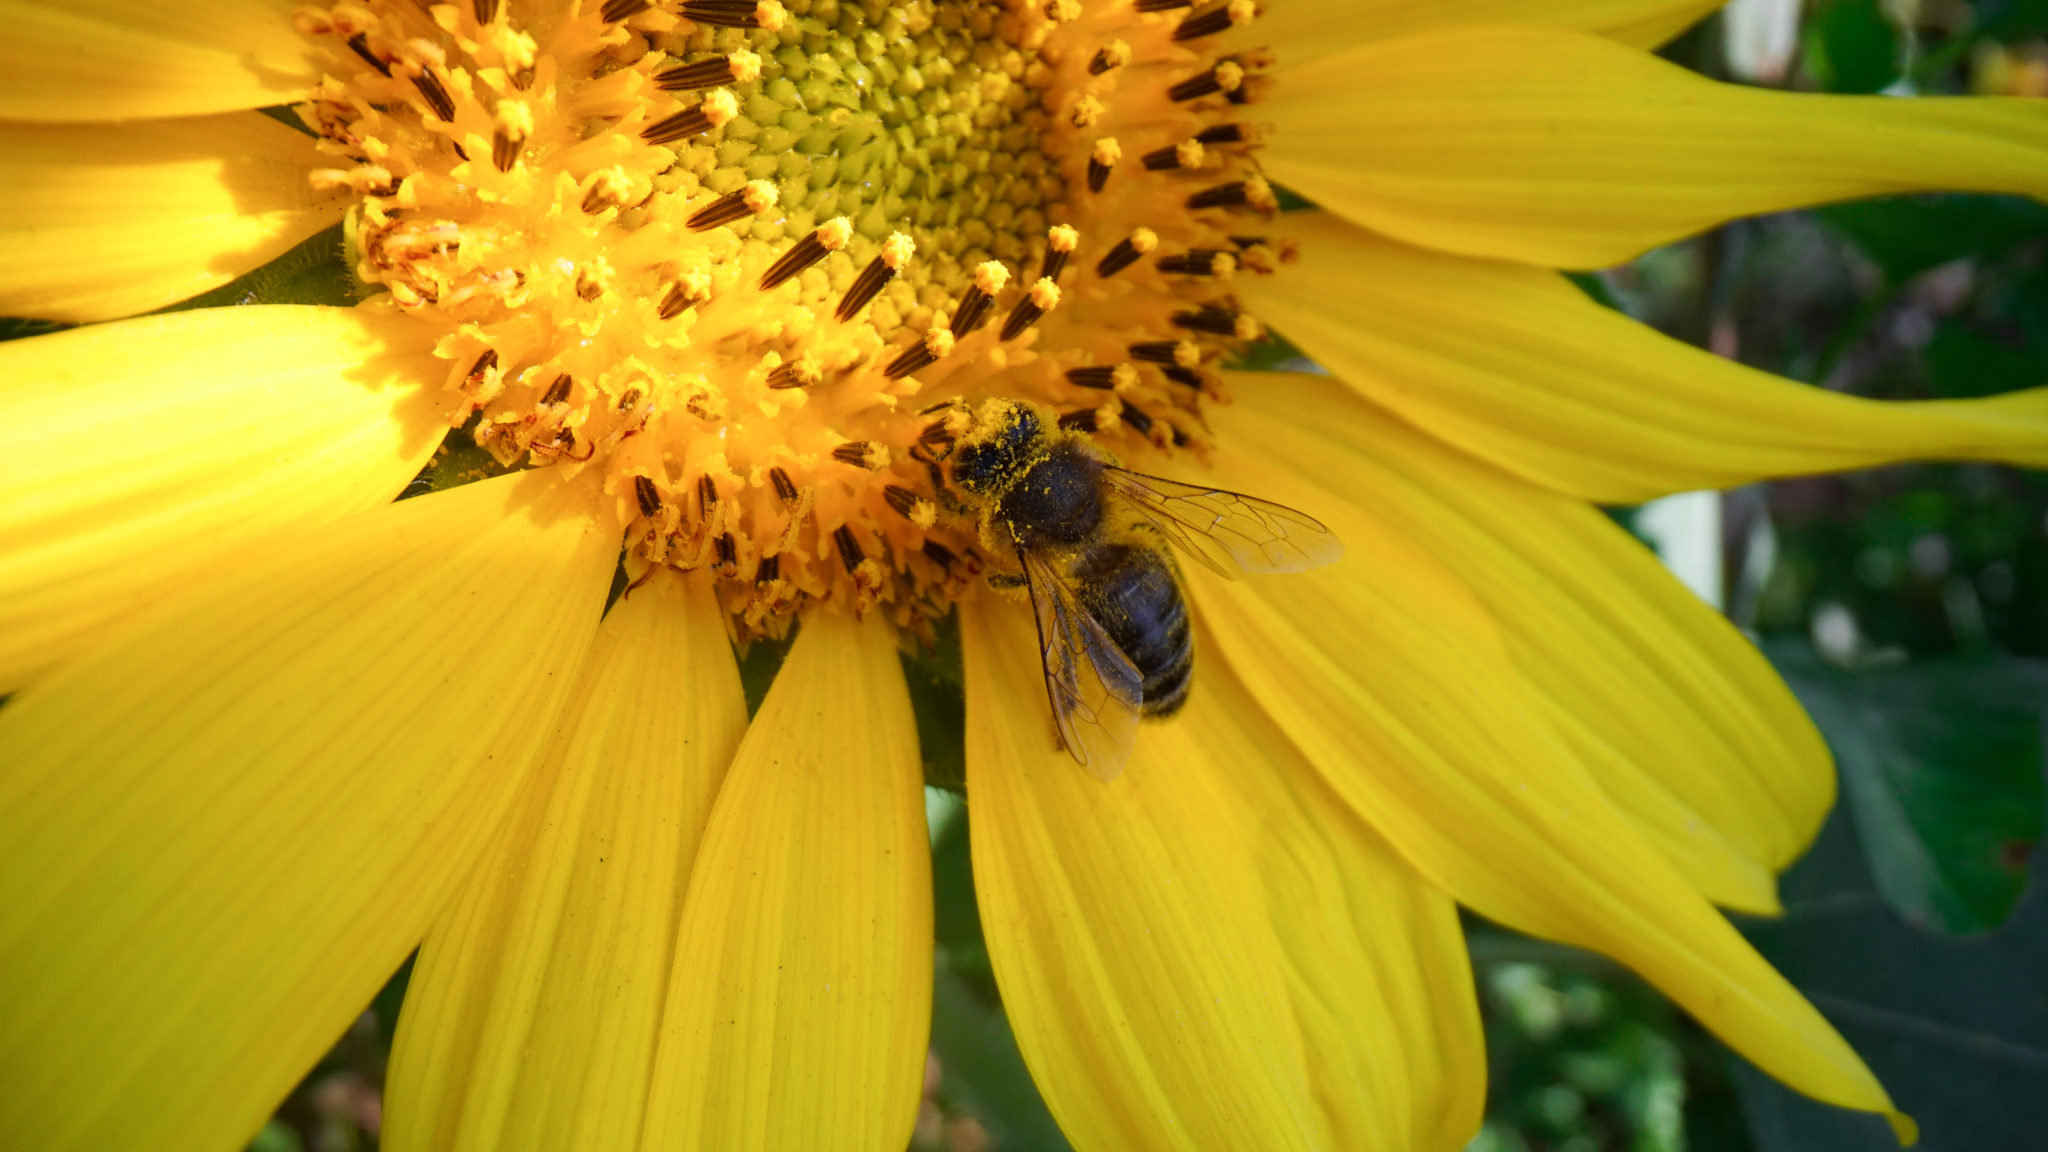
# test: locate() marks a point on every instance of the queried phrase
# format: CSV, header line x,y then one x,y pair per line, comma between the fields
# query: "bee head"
x,y
1006,439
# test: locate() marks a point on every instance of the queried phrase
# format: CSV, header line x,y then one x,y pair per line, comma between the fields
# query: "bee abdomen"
x,y
1133,594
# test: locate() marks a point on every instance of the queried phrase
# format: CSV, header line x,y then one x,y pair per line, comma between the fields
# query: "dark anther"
x,y
920,355
1161,5
558,392
769,571
1055,263
689,122
1024,315
1163,159
909,360
901,499
617,10
1180,375
707,497
1231,195
936,436
360,45
793,374
1081,421
674,301
723,13
1098,174
858,453
484,363
972,312
1099,376
629,398
486,10
801,255
849,548
872,279
1114,54
1221,321
1156,351
649,497
1248,241
1208,22
1206,84
784,486
436,96
504,151
724,210
1118,258
1137,418
1222,134
939,554
728,552
709,73
1199,262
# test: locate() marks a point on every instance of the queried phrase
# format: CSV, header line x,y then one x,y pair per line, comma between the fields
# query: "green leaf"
x,y
936,696
1957,1030
1941,766
1963,363
1906,236
1851,46
313,272
977,1053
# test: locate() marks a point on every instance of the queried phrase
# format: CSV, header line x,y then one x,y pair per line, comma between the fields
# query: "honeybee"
x,y
1113,628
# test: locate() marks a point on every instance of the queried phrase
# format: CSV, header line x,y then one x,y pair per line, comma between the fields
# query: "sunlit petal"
x,y
71,60
1567,149
1393,679
1375,955
1129,932
1304,30
101,220
145,451
531,1016
1518,367
800,1002
1693,735
220,835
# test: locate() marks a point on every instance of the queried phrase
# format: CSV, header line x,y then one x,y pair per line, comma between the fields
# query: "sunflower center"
x,y
741,255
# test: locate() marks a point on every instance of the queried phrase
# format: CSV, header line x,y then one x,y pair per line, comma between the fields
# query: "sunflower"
x,y
700,277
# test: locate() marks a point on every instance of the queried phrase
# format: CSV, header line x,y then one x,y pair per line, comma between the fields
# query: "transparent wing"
x,y
1229,531
1094,688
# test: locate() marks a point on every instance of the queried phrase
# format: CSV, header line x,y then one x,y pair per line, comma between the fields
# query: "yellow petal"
x,y
800,1003
220,835
1302,30
531,1016
1516,366
1375,955
145,451
1680,719
104,220
1391,678
1557,147
70,60
1127,926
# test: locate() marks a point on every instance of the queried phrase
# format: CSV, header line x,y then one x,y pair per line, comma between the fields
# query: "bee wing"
x,y
1094,688
1229,531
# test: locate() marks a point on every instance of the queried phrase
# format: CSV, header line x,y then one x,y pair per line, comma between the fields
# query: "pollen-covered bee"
x,y
1113,627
